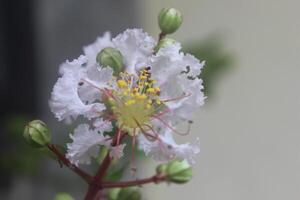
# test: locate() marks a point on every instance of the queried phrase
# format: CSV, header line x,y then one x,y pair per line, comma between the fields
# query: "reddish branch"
x,y
161,36
96,183
63,160
154,179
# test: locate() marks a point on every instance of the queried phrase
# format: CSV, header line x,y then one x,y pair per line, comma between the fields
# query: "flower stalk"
x,y
63,160
153,179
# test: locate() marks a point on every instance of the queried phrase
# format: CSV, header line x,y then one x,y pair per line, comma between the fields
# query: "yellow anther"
x,y
150,101
122,83
140,96
157,89
143,96
158,102
150,90
143,77
129,102
148,106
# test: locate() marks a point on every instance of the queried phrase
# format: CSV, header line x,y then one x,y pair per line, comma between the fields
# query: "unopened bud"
x,y
169,20
164,43
37,133
111,57
179,172
129,194
161,169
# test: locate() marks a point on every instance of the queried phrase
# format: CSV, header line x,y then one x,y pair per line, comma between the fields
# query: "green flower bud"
x,y
129,194
37,134
161,169
164,43
169,20
179,171
111,57
63,196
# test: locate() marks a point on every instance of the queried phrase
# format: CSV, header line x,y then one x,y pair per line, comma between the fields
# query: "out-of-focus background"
x,y
249,128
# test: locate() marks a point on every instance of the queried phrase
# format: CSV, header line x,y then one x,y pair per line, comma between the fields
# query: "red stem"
x,y
62,159
161,36
96,183
154,179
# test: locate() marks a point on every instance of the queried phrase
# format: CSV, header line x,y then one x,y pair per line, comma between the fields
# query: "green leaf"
x,y
63,196
115,175
130,193
113,193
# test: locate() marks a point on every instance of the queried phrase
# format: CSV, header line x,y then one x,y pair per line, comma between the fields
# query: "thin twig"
x,y
96,183
64,161
154,179
161,36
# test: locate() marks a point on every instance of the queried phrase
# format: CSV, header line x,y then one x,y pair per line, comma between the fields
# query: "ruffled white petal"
x,y
117,151
73,66
85,145
177,76
166,63
96,79
103,125
65,102
136,46
165,148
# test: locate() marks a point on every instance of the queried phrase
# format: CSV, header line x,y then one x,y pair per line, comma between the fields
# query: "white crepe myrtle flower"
x,y
155,91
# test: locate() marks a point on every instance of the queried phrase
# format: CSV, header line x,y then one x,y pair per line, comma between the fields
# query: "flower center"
x,y
134,101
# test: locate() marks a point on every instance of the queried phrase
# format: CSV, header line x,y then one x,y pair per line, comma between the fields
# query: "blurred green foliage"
x,y
63,196
17,156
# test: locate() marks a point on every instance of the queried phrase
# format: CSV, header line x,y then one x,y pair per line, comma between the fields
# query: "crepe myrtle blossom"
x,y
153,92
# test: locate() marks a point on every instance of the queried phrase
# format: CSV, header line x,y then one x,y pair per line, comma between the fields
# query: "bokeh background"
x,y
249,128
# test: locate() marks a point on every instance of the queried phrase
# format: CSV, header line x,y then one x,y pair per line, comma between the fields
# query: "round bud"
x,y
161,169
129,194
37,134
111,57
63,196
179,172
164,43
169,20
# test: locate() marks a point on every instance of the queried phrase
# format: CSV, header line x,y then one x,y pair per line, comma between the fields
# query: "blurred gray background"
x,y
249,129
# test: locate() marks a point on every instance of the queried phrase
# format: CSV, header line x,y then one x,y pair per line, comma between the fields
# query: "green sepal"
x,y
179,172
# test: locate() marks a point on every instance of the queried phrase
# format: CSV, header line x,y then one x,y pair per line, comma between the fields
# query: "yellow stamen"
x,y
122,83
129,102
150,90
